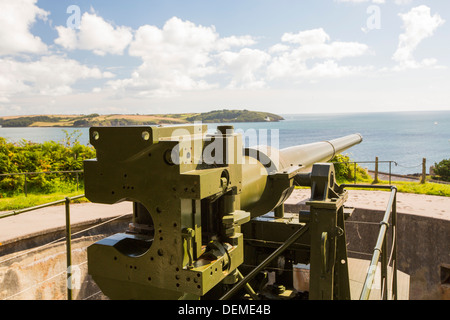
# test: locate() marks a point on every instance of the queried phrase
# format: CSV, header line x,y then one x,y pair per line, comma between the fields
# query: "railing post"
x,y
26,191
376,170
424,170
390,162
68,251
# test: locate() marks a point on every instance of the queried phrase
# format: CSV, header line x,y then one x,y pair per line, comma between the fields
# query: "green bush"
x,y
442,169
345,171
26,156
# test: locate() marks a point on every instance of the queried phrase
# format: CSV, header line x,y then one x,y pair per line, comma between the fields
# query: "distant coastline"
x,y
216,116
403,137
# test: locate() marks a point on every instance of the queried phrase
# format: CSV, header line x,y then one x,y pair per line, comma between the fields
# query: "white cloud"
x,y
308,37
233,41
28,67
244,66
313,45
330,69
403,2
279,47
353,1
51,75
361,1
95,34
399,2
418,25
183,56
16,18
179,56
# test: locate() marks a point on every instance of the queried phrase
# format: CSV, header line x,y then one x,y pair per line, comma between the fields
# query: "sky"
x,y
178,56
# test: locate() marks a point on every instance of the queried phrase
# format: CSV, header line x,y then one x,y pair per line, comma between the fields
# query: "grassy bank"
x,y
345,173
429,188
21,201
216,116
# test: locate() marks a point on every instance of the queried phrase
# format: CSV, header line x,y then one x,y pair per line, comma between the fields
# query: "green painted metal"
x,y
194,194
274,170
270,258
329,279
380,252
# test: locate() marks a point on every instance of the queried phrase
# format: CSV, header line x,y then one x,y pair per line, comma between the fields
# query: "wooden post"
x,y
376,171
424,170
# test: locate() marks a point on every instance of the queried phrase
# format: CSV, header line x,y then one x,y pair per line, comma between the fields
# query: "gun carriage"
x,y
208,215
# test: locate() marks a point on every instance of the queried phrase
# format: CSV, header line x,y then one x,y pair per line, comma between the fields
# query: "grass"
x,y
21,201
428,188
18,200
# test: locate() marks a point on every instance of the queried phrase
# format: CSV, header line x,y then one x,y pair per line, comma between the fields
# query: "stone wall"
x,y
422,252
35,271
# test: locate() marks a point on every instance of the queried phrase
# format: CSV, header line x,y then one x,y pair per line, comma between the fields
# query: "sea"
x,y
405,138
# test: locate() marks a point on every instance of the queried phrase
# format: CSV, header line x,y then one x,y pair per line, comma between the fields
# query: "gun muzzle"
x,y
262,165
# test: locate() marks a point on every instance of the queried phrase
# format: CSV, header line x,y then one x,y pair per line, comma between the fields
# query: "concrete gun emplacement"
x,y
207,213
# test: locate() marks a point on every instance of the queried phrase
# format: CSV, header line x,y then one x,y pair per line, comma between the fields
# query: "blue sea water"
x,y
403,137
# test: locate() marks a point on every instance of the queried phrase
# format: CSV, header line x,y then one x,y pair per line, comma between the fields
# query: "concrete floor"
x,y
358,270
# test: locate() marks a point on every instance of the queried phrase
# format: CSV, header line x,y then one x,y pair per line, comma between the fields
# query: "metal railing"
x,y
376,162
67,201
381,250
49,204
68,237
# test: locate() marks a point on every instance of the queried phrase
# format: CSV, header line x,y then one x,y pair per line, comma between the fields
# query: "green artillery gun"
x,y
204,206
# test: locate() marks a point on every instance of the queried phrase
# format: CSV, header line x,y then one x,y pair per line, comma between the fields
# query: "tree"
x,y
442,169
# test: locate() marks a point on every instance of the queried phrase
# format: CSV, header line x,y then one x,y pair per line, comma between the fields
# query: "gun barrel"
x,y
258,195
308,154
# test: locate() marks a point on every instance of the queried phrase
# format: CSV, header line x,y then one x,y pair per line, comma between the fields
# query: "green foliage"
x,y
442,169
81,123
26,156
26,121
345,170
435,189
21,201
220,116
